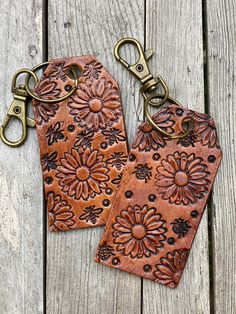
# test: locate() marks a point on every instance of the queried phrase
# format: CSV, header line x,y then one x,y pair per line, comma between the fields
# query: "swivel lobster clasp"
x,y
140,68
21,95
18,110
149,83
141,71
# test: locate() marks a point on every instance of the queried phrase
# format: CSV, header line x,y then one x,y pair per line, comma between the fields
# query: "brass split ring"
x,y
34,96
148,101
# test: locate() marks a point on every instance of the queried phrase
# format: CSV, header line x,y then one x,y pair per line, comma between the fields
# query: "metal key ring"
x,y
39,66
154,125
18,73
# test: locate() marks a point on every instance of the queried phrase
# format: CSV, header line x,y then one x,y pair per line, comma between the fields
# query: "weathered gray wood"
x,y
21,208
75,283
174,31
221,36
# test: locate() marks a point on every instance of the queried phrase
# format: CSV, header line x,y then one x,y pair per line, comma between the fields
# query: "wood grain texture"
x,y
21,202
221,36
174,31
75,283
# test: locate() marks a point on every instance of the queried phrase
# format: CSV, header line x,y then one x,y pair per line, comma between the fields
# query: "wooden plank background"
x,y
21,196
176,36
221,52
42,272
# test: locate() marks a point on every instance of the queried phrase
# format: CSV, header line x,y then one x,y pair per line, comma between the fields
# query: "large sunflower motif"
x,y
147,137
182,178
97,105
207,130
82,174
60,216
45,111
170,269
139,231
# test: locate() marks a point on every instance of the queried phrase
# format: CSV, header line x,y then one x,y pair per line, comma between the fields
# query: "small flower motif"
x,y
60,216
105,251
117,180
170,269
84,139
180,227
44,111
182,178
55,133
143,172
113,136
117,160
96,106
148,138
206,128
91,213
139,231
92,70
59,71
49,161
82,174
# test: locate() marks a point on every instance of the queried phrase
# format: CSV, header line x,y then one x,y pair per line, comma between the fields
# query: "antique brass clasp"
x,y
141,71
149,83
18,109
22,93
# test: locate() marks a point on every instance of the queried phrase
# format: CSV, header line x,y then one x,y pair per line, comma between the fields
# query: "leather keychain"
x,y
165,186
82,138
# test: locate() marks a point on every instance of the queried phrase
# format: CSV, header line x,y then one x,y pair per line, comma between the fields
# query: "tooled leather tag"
x,y
82,143
157,210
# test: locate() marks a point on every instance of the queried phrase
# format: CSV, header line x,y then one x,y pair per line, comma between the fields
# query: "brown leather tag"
x,y
82,143
161,199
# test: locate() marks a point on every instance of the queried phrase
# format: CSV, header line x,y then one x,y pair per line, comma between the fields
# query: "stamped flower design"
x,y
96,106
82,174
170,269
206,128
182,178
44,111
139,231
59,71
49,161
148,138
92,70
60,216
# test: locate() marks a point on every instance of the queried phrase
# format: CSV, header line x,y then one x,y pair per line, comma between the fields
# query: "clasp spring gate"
x,y
22,93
